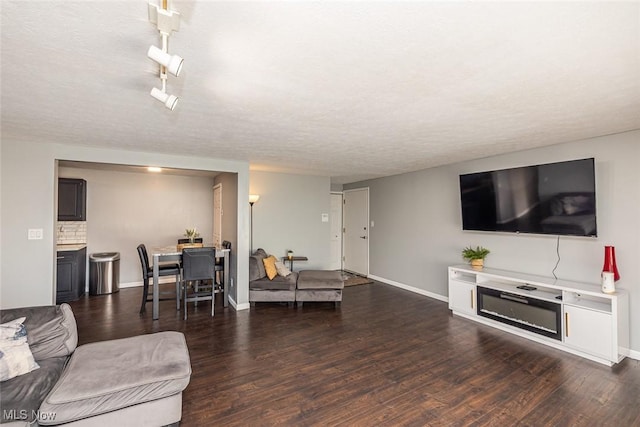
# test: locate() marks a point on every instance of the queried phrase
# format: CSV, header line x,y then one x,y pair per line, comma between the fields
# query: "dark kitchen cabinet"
x,y
72,199
71,275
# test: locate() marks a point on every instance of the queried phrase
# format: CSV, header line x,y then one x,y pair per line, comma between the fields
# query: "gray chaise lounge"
x,y
305,286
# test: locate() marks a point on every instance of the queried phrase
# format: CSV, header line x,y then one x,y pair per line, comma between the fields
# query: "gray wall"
x,y
336,188
229,182
288,216
125,209
418,227
417,231
28,172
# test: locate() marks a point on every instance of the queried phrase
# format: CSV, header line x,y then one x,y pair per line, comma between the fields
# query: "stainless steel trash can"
x,y
104,273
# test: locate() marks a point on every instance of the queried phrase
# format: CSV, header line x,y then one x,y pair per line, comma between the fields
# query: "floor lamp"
x,y
252,199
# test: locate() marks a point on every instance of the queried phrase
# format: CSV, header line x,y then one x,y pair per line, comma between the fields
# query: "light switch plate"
x,y
34,234
325,217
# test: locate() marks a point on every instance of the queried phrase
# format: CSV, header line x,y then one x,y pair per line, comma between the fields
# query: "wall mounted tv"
x,y
554,198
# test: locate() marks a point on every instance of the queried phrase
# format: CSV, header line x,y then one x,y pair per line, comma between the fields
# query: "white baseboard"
x,y
130,285
410,288
237,306
161,280
633,354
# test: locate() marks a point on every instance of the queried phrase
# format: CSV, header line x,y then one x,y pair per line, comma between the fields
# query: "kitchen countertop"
x,y
72,247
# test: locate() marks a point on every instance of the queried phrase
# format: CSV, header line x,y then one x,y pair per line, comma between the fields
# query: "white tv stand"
x,y
594,325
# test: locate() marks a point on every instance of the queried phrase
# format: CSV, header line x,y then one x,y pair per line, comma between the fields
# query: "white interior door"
x,y
217,215
356,231
335,218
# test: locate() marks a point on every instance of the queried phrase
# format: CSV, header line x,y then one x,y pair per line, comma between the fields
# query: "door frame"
x,y
367,222
341,194
215,187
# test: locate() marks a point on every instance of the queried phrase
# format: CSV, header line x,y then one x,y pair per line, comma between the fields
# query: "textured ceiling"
x,y
352,90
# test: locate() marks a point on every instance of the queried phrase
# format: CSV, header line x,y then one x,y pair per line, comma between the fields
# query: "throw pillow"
x,y
261,252
270,266
282,269
256,268
15,355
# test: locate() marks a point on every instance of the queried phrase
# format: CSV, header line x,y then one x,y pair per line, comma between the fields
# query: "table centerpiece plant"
x,y
191,234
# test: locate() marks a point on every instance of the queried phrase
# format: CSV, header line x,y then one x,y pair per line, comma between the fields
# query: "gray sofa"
x,y
135,381
306,286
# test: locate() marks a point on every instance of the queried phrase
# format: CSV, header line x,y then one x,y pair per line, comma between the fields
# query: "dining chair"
x,y
220,263
198,276
168,269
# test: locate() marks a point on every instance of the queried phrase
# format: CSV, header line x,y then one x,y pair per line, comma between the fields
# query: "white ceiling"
x,y
352,90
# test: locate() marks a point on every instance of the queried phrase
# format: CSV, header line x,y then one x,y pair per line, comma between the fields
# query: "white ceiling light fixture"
x,y
170,101
173,63
166,21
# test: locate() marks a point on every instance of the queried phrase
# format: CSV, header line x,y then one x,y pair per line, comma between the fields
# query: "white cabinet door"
x,y
462,297
589,331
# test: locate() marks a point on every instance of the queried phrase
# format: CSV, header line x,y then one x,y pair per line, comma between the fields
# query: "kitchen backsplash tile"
x,y
71,232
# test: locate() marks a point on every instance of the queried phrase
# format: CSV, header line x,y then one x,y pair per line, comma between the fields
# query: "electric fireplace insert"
x,y
531,314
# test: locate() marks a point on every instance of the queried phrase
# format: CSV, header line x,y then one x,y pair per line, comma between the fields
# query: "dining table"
x,y
171,253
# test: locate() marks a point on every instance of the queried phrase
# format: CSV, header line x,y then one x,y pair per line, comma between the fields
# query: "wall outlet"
x,y
34,234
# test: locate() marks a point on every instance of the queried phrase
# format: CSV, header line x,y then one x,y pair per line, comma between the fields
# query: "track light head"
x,y
173,63
170,101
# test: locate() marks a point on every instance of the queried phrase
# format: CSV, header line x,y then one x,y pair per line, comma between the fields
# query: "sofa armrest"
x,y
51,330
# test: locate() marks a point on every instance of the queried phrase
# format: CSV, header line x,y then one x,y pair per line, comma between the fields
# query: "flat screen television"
x,y
553,198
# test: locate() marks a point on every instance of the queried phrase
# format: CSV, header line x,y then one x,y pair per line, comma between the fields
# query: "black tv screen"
x,y
553,198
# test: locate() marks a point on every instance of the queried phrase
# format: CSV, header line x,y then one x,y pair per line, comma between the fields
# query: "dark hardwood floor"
x,y
386,357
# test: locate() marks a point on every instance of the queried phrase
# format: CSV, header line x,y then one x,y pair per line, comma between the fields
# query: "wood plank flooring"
x,y
386,357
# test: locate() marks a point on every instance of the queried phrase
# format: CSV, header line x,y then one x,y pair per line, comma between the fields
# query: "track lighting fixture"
x,y
173,63
170,101
166,21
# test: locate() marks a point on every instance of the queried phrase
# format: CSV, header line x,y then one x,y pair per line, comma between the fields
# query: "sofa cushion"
x,y
51,330
21,396
278,283
320,279
15,356
256,268
106,376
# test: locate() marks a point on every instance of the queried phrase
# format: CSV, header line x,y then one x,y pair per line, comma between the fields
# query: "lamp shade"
x,y
253,198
